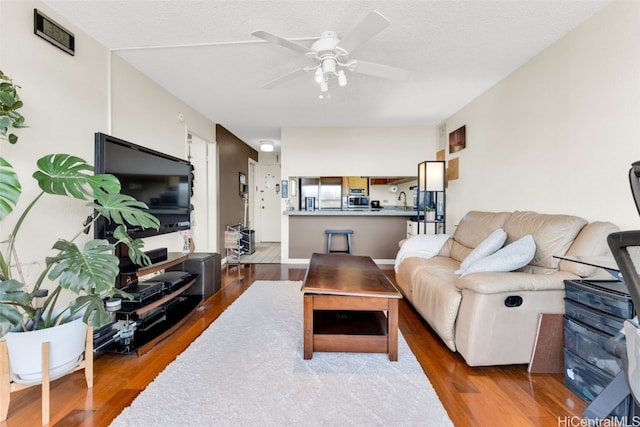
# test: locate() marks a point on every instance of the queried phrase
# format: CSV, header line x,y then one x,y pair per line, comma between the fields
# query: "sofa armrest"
x,y
513,281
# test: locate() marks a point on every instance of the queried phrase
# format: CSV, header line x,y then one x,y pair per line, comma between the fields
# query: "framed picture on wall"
x,y
242,181
457,140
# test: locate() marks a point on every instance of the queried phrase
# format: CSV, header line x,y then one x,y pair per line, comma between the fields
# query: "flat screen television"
x,y
161,181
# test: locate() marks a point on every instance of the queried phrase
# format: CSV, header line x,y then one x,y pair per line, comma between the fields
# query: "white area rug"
x,y
247,369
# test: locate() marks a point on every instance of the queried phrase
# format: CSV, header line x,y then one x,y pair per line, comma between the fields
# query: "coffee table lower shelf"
x,y
350,331
359,328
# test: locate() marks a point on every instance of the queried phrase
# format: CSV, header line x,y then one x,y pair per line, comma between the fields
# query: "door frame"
x,y
254,207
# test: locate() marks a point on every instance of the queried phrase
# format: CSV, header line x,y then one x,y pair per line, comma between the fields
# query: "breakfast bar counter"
x,y
356,212
376,232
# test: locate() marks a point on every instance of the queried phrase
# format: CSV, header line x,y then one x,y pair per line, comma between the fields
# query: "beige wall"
x,y
559,134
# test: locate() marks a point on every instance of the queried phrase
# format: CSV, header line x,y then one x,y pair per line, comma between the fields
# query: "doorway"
x,y
202,155
269,201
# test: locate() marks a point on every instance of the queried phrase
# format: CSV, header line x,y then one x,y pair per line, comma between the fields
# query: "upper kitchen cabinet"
x,y
391,180
357,185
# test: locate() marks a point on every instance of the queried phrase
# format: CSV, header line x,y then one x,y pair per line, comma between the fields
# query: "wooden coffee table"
x,y
345,300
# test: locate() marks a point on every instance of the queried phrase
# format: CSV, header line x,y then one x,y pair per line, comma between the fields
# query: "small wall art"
x,y
242,181
457,140
453,171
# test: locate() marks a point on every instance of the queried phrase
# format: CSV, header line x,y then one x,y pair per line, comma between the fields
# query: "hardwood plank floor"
x,y
486,396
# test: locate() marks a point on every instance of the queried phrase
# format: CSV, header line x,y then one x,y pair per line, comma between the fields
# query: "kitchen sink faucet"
x,y
402,193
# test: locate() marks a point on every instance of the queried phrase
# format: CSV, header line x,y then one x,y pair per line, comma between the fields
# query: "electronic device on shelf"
x,y
145,291
173,279
103,336
152,318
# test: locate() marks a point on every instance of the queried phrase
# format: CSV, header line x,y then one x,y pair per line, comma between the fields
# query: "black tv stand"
x,y
156,313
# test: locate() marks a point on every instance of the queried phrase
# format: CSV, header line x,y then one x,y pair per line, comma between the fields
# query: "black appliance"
x,y
142,292
161,181
207,267
375,204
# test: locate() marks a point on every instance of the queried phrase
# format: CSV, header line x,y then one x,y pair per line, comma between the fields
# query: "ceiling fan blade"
x,y
280,41
380,70
279,80
371,25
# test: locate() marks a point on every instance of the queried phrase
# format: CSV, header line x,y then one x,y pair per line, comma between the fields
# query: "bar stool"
x,y
346,233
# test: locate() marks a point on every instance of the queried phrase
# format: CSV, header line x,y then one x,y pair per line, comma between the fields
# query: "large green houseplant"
x,y
90,271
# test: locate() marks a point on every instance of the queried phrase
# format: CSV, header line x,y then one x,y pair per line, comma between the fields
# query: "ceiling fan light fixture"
x,y
324,86
342,78
266,146
319,76
329,65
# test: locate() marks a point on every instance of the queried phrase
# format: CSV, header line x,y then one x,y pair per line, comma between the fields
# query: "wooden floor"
x,y
265,253
496,396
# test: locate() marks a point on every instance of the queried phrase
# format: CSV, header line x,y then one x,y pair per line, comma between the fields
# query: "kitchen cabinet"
x,y
358,182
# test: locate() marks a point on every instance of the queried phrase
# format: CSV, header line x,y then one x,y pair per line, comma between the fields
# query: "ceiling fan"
x,y
331,54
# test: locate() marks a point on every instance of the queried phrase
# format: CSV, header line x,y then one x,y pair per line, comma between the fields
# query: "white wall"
x,y
144,113
355,151
69,98
65,102
559,134
352,151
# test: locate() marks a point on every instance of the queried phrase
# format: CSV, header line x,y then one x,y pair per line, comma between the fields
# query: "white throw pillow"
x,y
422,246
487,247
511,257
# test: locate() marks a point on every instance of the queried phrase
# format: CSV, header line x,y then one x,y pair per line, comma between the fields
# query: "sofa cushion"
x,y
436,297
475,227
592,241
487,247
553,235
512,257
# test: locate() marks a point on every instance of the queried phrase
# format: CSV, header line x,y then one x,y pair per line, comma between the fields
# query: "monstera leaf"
x,y
90,271
95,314
12,296
67,175
10,188
124,209
136,254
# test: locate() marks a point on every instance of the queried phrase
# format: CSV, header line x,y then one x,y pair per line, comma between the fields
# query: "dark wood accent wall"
x,y
233,157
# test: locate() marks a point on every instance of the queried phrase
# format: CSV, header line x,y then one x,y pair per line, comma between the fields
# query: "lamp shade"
x,y
431,175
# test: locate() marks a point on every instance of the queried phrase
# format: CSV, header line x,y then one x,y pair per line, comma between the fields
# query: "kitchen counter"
x,y
354,212
376,232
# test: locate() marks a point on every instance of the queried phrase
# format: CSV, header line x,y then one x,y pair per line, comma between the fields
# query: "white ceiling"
x,y
454,50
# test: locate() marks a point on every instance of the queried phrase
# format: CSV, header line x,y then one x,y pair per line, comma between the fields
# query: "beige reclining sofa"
x,y
491,317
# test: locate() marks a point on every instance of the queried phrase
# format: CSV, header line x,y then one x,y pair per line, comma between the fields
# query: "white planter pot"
x,y
431,215
67,344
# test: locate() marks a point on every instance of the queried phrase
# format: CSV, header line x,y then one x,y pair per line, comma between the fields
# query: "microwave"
x,y
357,191
358,202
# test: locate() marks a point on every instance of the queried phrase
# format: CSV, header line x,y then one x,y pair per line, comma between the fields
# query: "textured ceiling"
x,y
453,49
